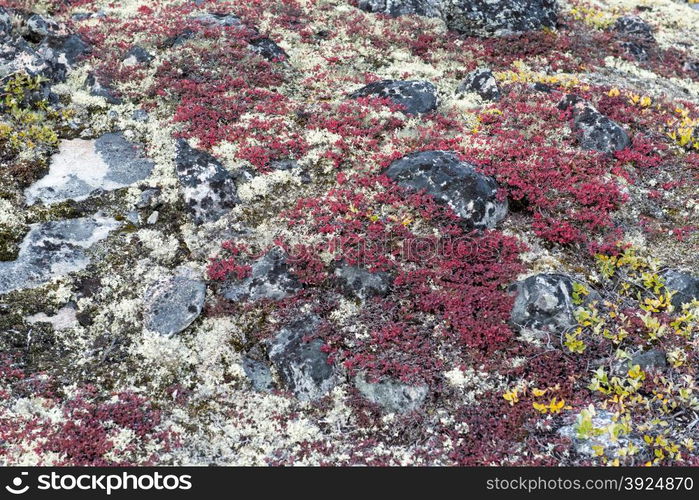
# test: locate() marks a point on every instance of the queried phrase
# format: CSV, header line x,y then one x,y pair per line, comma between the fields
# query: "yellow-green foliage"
x,y
639,316
27,125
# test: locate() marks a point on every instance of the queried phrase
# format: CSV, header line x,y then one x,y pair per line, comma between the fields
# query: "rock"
x,y
259,374
53,249
498,17
482,82
62,53
302,365
635,28
137,55
361,282
636,34
544,304
691,66
416,96
97,89
140,115
654,358
5,21
149,198
472,195
82,167
395,8
208,188
172,304
392,396
268,49
596,132
64,318
17,56
685,286
269,279
39,27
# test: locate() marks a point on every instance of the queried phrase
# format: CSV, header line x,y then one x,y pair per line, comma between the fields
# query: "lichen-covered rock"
x,y
685,286
38,27
96,88
597,132
5,21
267,48
269,279
634,27
62,52
137,55
208,188
544,304
172,304
391,395
395,8
636,35
82,167
259,374
416,96
17,55
482,82
53,249
302,365
472,195
651,359
361,282
498,17
219,19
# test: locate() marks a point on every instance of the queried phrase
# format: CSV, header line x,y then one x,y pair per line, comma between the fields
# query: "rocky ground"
x,y
340,232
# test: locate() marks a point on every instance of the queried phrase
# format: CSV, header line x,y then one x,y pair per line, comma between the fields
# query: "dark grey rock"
x,y
268,49
97,89
472,195
361,282
692,66
269,279
392,396
171,305
544,304
53,249
568,101
149,198
18,56
685,286
633,27
62,53
5,21
395,8
498,17
82,168
259,374
416,96
140,115
301,363
209,189
654,358
636,50
482,82
137,55
596,132
38,27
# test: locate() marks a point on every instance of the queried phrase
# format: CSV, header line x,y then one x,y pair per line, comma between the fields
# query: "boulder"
x,y
53,249
415,96
208,188
395,8
267,48
472,195
544,304
172,304
361,282
482,82
391,395
597,132
83,167
685,286
498,17
269,279
302,365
